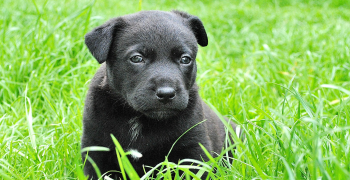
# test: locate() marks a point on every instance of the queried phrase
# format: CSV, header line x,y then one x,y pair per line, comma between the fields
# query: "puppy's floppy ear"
x,y
100,39
196,26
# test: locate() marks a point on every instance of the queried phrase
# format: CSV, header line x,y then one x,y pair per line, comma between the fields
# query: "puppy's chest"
x,y
143,135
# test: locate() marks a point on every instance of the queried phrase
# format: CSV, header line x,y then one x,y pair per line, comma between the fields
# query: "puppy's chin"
x,y
160,114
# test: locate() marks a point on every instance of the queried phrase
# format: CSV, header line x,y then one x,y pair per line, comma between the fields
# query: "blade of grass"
x,y
124,161
30,120
336,87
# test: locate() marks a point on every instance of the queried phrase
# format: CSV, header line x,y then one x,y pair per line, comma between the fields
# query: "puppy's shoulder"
x,y
99,81
98,93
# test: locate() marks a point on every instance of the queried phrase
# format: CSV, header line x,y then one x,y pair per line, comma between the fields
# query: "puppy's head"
x,y
150,58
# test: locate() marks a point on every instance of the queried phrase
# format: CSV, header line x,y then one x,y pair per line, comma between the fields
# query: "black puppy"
x,y
145,92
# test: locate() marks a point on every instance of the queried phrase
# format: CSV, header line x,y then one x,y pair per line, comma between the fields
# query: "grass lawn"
x,y
278,68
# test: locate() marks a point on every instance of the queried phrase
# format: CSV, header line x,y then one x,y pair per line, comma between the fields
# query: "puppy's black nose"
x,y
165,94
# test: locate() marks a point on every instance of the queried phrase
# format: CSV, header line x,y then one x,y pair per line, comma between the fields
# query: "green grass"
x,y
279,68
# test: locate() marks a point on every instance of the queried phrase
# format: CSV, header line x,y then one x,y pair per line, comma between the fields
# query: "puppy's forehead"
x,y
151,18
157,28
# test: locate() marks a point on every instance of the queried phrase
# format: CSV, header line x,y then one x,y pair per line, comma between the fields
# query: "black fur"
x,y
147,105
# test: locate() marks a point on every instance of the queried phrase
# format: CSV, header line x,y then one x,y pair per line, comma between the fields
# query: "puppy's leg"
x,y
103,161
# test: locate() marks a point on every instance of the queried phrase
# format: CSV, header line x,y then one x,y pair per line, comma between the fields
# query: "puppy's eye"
x,y
136,59
185,60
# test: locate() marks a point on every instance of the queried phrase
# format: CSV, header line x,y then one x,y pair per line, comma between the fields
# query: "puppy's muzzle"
x,y
165,94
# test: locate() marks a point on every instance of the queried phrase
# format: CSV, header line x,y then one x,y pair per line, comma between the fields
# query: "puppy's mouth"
x,y
160,114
